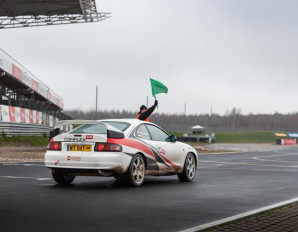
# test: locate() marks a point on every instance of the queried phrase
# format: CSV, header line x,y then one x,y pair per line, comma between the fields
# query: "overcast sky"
x,y
209,53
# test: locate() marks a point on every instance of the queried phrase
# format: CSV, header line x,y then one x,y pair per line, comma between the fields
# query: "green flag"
x,y
157,87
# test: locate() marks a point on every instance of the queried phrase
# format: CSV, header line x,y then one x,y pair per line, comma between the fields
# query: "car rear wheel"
x,y
189,169
62,177
135,174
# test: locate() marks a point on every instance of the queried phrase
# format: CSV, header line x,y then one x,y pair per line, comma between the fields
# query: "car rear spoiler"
x,y
60,126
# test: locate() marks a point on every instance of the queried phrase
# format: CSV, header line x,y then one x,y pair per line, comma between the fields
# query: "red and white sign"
x,y
22,115
5,113
288,141
49,95
27,116
17,114
34,116
12,116
16,72
37,117
30,116
58,102
34,85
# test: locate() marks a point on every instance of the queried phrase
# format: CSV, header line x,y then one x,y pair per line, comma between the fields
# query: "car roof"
x,y
133,121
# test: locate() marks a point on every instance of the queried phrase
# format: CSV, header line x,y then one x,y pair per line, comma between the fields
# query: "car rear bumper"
x,y
117,162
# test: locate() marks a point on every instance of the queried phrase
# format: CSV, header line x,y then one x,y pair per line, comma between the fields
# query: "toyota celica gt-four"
x,y
127,149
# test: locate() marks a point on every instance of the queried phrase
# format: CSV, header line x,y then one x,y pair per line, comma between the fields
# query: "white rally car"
x,y
127,149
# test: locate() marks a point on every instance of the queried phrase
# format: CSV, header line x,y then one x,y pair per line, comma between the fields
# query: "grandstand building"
x,y
24,99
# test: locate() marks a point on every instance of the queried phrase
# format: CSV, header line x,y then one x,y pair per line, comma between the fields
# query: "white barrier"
x,y
21,115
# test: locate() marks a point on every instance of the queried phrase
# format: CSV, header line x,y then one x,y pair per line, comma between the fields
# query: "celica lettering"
x,y
74,139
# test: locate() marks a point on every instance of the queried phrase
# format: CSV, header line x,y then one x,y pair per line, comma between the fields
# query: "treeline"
x,y
231,121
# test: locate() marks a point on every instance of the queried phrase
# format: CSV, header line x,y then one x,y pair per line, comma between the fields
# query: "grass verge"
x,y
24,141
246,137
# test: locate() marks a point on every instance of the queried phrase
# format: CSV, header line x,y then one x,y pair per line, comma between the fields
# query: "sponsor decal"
x,y
16,72
74,139
161,153
42,90
34,116
17,114
30,116
49,95
57,162
12,116
58,102
293,135
89,136
37,117
22,115
288,141
73,158
158,150
34,85
26,115
26,79
5,113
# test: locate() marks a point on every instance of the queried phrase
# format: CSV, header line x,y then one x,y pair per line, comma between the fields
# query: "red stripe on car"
x,y
168,161
133,144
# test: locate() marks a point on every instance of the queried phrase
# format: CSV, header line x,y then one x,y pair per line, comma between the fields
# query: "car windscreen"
x,y
90,129
119,125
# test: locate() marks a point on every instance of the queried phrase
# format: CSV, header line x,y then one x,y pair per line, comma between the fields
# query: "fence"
x,y
11,129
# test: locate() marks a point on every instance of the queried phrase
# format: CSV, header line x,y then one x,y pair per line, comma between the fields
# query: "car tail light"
x,y
107,147
54,146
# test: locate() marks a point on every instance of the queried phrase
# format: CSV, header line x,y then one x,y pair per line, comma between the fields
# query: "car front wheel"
x,y
62,177
189,169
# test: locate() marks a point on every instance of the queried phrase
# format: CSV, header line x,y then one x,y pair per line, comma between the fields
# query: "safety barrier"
x,y
10,129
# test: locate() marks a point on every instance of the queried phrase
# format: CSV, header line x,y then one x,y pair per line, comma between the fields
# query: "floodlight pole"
x,y
96,102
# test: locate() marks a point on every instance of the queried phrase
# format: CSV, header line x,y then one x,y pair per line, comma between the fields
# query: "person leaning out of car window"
x,y
145,113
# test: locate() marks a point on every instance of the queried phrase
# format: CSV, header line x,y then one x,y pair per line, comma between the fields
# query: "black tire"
x,y
189,169
135,174
62,178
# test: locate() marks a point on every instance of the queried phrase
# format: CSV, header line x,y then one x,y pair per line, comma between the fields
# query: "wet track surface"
x,y
225,185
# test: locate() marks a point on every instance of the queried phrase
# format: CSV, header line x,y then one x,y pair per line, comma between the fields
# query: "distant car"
x,y
127,149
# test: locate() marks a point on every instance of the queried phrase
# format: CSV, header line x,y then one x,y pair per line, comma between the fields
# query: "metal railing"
x,y
10,129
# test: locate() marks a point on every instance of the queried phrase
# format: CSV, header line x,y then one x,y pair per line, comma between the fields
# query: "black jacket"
x,y
147,113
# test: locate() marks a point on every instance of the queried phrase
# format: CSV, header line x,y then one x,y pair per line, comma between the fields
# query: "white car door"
x,y
170,152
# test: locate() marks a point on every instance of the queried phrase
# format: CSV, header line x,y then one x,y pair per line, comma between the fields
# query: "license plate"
x,y
79,147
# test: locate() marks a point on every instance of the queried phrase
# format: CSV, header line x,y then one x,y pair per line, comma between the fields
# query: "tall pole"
x,y
147,102
96,102
185,108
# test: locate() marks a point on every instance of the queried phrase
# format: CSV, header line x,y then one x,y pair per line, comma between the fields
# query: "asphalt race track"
x,y
225,185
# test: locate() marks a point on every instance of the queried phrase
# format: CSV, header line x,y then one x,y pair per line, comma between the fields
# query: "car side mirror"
x,y
171,138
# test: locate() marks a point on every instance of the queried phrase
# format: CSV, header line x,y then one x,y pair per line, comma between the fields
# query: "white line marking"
x,y
246,164
23,164
25,177
239,216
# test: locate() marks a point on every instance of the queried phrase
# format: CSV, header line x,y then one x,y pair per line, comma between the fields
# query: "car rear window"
x,y
90,129
119,125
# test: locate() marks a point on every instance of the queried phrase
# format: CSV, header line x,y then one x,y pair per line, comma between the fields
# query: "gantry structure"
x,y
27,13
